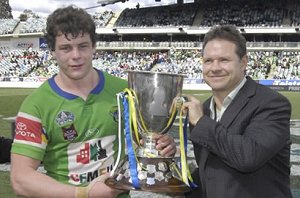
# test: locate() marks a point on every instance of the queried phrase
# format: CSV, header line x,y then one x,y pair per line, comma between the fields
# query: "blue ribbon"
x,y
131,155
192,184
185,132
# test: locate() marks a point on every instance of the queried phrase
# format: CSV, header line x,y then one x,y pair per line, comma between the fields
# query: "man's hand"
x,y
165,144
97,188
194,107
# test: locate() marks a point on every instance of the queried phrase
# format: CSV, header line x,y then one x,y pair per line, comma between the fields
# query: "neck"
x,y
219,96
81,87
218,100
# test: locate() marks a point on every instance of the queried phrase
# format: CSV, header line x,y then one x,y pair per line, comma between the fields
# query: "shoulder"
x,y
265,94
41,91
114,83
41,96
113,78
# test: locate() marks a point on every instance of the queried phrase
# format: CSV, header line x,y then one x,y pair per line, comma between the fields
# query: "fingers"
x,y
168,151
189,101
166,145
178,101
189,98
195,110
141,141
101,178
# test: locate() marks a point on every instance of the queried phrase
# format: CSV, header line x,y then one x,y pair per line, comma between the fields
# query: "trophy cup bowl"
x,y
155,110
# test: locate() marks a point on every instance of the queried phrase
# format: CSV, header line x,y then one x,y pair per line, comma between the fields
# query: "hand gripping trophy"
x,y
150,105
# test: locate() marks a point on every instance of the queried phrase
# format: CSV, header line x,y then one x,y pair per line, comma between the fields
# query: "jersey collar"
x,y
70,96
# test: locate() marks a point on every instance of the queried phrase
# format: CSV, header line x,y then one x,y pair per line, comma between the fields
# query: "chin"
x,y
217,88
77,76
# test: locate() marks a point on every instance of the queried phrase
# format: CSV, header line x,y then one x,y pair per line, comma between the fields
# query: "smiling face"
x,y
74,55
223,70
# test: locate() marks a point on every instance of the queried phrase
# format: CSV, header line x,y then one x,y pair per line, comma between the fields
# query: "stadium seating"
x,y
180,55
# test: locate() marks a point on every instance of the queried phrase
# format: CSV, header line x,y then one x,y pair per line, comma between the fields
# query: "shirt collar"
x,y
234,92
227,100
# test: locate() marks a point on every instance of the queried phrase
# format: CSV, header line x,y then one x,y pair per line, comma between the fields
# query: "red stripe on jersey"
x,y
28,130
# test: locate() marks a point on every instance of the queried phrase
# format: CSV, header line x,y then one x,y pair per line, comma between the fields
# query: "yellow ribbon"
x,y
185,171
132,114
182,152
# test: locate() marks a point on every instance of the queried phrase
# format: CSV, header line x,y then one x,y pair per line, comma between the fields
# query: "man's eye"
x,y
224,60
64,48
207,61
83,46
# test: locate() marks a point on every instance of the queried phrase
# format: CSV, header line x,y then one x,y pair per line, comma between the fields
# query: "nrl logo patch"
x,y
64,118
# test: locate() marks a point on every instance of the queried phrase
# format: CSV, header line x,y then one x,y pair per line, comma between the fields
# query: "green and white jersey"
x,y
75,139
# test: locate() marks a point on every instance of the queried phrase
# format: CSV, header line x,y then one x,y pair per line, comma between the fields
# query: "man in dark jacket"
x,y
241,135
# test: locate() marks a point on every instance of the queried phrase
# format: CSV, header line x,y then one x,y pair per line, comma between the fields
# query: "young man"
x,y
68,123
241,135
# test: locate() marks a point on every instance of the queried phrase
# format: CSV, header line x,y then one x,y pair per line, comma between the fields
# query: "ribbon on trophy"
x,y
131,121
131,125
186,174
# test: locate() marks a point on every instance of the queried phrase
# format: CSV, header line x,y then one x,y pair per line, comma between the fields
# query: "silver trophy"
x,y
154,103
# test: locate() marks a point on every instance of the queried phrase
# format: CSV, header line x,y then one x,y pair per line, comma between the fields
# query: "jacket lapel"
x,y
241,99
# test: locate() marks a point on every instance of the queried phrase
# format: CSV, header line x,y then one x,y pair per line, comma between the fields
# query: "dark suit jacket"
x,y
247,153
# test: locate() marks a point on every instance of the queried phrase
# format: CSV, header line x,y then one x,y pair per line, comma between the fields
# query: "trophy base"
x,y
155,175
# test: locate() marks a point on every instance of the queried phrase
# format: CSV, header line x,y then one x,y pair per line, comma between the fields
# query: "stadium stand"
x,y
7,26
23,52
173,15
262,64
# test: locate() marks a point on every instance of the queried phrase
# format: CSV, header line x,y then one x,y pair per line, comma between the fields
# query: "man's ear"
x,y
94,49
244,61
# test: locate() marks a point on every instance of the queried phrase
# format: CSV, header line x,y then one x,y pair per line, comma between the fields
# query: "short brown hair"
x,y
69,20
229,33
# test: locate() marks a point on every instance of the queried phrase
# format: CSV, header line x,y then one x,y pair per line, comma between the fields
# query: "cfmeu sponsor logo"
x,y
89,176
90,159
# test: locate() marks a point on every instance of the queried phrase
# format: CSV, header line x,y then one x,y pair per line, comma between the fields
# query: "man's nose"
x,y
215,65
75,53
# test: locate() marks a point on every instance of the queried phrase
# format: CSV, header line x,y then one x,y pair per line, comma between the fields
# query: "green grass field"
x,y
11,99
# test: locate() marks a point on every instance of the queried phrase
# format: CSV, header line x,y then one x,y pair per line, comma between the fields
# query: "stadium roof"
x,y
106,2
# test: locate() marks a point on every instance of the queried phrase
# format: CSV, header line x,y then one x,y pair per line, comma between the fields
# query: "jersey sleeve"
x,y
30,139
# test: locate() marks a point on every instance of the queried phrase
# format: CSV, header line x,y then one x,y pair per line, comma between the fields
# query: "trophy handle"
x,y
177,102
